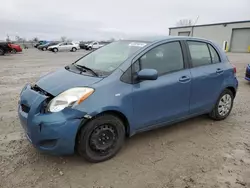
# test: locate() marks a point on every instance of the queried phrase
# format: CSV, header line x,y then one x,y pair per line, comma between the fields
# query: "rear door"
x,y
69,46
207,73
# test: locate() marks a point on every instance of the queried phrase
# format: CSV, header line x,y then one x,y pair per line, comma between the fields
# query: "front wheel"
x,y
14,51
55,49
223,106
74,49
101,138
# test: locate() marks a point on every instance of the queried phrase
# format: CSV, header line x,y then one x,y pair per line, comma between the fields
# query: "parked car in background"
x,y
64,46
5,47
44,47
87,105
83,45
247,75
96,45
15,48
41,42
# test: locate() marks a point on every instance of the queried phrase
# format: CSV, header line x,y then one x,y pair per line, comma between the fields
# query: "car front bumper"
x,y
53,133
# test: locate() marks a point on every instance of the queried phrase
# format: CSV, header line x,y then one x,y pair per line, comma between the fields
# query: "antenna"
x,y
192,33
196,20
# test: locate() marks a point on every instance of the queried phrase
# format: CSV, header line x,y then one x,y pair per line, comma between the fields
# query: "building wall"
x,y
216,33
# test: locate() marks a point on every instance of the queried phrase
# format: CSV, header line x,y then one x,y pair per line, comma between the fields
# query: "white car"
x,y
64,46
94,45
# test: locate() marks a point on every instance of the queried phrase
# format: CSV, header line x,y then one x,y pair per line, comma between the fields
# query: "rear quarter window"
x,y
214,54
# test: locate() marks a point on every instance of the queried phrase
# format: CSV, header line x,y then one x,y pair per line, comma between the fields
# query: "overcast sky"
x,y
100,19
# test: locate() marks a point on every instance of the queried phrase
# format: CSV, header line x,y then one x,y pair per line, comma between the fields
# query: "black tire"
x,y
103,131
73,49
55,49
14,51
44,49
215,114
1,52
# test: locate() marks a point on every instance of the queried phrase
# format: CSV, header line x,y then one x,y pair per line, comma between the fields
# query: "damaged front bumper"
x,y
53,133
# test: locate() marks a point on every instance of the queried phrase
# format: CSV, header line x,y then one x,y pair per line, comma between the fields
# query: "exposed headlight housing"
x,y
69,98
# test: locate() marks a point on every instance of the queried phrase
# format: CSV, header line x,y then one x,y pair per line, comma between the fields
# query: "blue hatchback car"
x,y
123,88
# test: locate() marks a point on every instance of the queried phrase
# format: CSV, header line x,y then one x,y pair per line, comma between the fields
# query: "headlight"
x,y
69,98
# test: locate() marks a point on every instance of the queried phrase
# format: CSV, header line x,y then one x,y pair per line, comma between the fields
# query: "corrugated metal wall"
x,y
216,33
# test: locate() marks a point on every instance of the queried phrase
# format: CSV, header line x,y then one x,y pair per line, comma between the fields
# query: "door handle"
x,y
219,71
184,79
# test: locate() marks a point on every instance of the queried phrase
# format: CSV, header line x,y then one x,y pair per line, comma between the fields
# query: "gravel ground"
x,y
195,153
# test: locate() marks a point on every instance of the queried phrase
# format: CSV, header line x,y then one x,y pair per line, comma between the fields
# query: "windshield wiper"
x,y
87,68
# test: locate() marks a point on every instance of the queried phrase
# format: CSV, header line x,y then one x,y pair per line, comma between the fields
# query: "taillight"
x,y
234,68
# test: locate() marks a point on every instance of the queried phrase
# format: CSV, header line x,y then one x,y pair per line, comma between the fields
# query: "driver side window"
x,y
164,58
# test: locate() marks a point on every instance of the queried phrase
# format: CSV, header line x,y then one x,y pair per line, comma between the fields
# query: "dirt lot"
x,y
195,153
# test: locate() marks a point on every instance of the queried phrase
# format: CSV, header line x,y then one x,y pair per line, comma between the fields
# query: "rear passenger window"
x,y
199,53
214,54
164,58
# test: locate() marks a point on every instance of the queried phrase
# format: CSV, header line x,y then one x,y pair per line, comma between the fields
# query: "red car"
x,y
15,48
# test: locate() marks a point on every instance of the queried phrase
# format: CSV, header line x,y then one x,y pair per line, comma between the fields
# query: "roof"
x,y
222,23
160,38
151,38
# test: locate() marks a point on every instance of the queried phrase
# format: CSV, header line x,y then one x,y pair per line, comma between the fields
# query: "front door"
x,y
63,46
207,76
95,45
167,98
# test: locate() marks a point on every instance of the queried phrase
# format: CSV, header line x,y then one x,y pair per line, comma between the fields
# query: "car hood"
x,y
15,45
62,80
43,45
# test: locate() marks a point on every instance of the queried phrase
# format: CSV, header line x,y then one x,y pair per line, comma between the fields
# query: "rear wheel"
x,y
101,138
74,49
223,105
44,49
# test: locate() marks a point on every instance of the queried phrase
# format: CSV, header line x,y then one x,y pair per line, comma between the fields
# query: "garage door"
x,y
185,33
240,40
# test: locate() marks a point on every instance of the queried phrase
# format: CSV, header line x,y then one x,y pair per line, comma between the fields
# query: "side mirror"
x,y
147,74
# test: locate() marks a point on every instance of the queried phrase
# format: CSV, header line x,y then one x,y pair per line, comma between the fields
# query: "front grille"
x,y
25,108
48,143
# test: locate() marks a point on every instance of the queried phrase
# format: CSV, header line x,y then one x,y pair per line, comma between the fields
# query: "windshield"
x,y
111,56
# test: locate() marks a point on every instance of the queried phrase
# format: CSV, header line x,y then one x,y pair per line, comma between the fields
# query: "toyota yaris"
x,y
124,88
